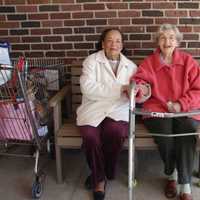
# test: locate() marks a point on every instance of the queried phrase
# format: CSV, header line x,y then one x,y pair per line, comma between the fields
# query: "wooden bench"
x,y
66,132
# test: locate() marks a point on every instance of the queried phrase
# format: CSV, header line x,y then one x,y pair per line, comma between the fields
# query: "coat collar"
x,y
101,57
176,60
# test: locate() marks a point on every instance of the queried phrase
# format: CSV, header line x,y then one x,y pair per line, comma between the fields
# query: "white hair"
x,y
165,27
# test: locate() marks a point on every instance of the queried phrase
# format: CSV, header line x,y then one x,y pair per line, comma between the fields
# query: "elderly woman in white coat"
x,y
103,115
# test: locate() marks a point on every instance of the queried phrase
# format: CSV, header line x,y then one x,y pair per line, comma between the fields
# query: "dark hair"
x,y
103,36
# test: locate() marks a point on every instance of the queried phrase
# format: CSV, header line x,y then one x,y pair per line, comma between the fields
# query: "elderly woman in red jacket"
x,y
173,77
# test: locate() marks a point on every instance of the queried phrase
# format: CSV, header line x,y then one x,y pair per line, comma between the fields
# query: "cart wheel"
x,y
36,190
196,174
134,183
198,184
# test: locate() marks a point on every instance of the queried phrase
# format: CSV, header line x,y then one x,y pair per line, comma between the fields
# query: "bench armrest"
x,y
59,96
55,104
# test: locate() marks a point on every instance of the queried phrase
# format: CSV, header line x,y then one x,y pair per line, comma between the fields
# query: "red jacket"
x,y
177,82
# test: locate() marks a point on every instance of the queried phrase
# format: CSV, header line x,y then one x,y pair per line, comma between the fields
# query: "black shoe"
x,y
88,182
100,195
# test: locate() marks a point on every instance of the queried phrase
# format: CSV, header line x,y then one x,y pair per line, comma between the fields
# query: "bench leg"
x,y
59,165
199,165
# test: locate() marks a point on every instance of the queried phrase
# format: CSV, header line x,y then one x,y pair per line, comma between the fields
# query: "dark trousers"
x,y
176,152
102,145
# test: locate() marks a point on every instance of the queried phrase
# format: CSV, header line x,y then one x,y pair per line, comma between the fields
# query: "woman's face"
x,y
167,42
112,44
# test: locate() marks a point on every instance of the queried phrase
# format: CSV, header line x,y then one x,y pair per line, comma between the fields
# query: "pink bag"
x,y
14,122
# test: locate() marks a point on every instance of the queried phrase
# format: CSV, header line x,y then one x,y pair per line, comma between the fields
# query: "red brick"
x,y
109,0
72,7
195,13
15,2
40,31
96,22
152,13
60,15
52,38
2,17
196,29
55,54
84,30
34,54
83,46
38,16
19,31
105,14
96,6
20,47
131,45
5,25
140,6
129,13
139,37
56,23
119,21
40,46
62,1
191,37
62,31
193,44
147,45
185,29
62,46
143,52
189,21
82,15
166,20
182,45
188,5
37,1
74,23
145,21
77,53
16,54
73,38
92,37
26,9
117,6
152,29
3,32
194,52
31,39
164,5
176,13
133,29
11,39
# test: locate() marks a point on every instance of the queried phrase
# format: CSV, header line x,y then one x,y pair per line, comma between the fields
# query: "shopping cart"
x,y
24,114
133,111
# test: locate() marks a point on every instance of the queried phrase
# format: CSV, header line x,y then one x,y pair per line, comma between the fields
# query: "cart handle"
x,y
139,111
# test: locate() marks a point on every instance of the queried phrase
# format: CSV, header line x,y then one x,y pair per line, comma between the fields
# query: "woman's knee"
x,y
116,129
186,141
90,136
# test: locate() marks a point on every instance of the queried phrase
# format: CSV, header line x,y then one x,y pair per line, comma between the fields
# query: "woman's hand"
x,y
143,89
173,106
125,90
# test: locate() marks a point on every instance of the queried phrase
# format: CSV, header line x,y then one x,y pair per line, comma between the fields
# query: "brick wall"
x,y
69,29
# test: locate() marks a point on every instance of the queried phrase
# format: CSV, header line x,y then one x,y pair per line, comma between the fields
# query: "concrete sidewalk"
x,y
16,177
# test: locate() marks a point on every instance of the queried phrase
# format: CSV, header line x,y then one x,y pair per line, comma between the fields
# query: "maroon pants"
x,y
102,145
